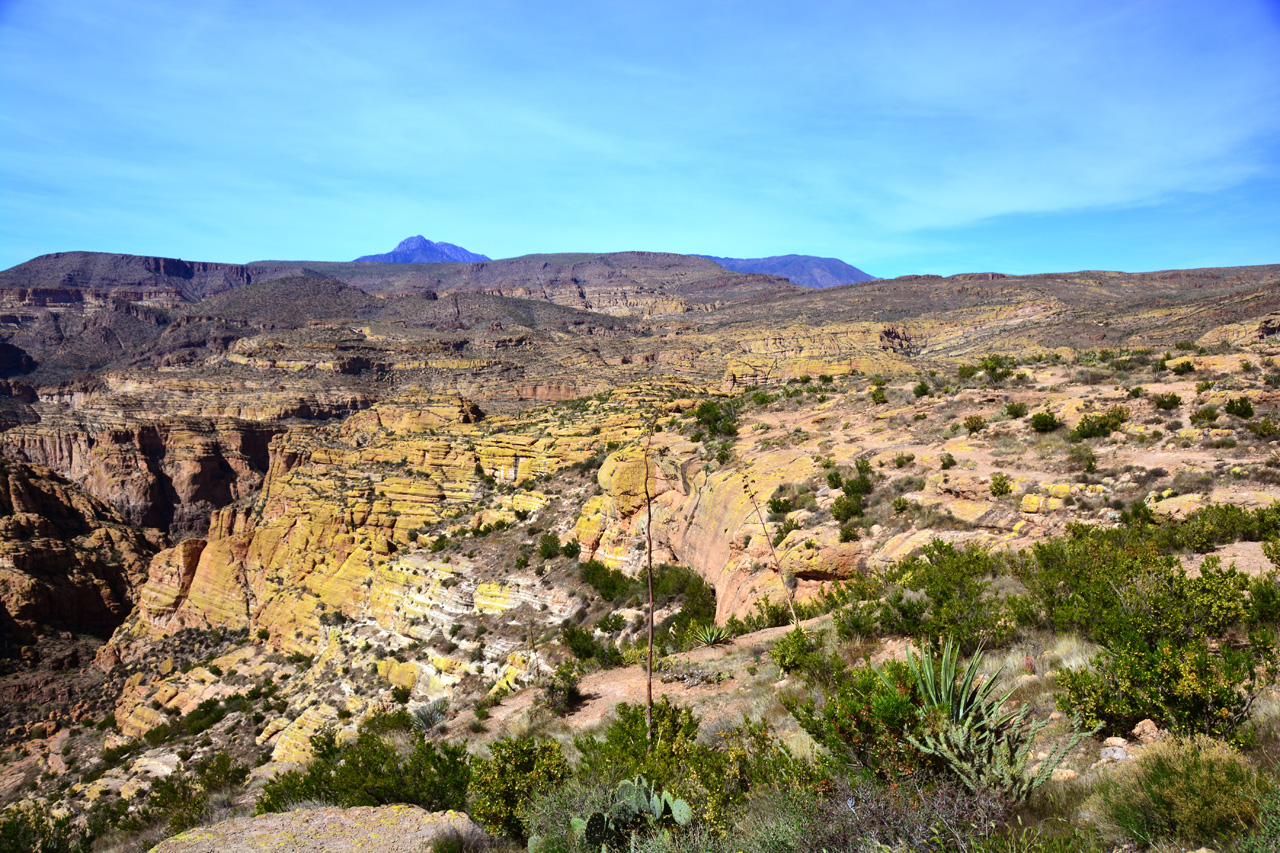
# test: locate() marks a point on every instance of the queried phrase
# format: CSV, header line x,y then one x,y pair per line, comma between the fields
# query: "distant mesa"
x,y
420,250
804,270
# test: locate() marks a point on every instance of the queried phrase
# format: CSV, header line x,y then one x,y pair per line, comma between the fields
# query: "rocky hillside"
x,y
305,497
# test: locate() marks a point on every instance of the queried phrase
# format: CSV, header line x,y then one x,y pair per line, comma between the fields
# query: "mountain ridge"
x,y
419,250
805,270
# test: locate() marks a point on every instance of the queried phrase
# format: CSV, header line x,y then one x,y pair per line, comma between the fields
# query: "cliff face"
x,y
66,560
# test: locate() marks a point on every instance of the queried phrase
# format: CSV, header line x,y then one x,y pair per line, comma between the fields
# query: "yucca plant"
x,y
710,635
427,716
969,731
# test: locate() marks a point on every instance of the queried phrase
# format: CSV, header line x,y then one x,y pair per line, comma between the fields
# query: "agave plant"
x,y
427,716
984,745
710,635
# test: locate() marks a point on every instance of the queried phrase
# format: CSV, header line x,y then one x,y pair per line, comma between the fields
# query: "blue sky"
x,y
907,137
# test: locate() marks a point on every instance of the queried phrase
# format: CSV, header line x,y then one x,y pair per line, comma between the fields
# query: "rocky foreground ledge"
x,y
384,829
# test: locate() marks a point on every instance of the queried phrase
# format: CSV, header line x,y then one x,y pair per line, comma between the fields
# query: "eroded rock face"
x,y
66,560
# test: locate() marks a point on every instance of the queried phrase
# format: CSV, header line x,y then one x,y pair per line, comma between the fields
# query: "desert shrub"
x,y
610,583
1100,425
946,461
997,367
1265,428
900,505
713,777
967,371
1182,368
1112,586
1265,836
922,389
1196,791
32,827
549,546
1015,410
504,785
864,718
1241,407
834,479
878,396
1082,457
560,693
780,506
974,423
955,584
786,528
859,485
920,813
902,460
1155,623
716,420
1045,421
1204,415
611,624
1001,485
1183,686
580,642
1166,402
797,650
371,771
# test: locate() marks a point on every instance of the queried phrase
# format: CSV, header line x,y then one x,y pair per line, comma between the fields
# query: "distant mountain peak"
x,y
420,250
804,270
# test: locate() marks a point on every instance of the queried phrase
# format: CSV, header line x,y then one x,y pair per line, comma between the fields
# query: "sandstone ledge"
x,y
385,829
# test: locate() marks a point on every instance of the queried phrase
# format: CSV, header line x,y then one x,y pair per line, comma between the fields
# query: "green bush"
x,y
922,389
1182,368
1015,410
865,717
609,583
955,583
1001,485
1204,415
946,461
715,419
1194,791
713,778
372,771
974,423
34,828
1102,425
797,650
1045,421
780,506
504,785
549,546
1082,456
1167,401
878,396
1183,686
560,693
1241,407
997,367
